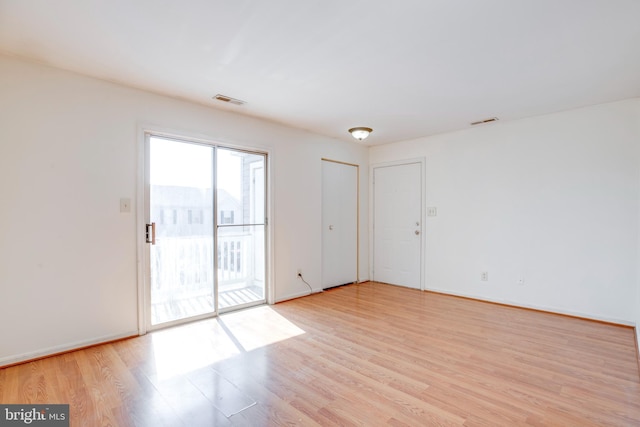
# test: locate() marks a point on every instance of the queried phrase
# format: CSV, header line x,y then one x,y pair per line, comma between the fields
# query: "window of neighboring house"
x,y
226,217
190,216
175,216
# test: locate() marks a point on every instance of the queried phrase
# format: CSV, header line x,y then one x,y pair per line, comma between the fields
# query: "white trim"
x,y
63,348
548,309
196,137
423,196
298,295
140,230
269,265
179,322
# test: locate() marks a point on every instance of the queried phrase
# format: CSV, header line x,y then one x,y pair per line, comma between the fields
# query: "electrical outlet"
x,y
484,276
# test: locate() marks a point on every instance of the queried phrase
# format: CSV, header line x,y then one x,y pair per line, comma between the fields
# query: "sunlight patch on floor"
x,y
183,349
259,327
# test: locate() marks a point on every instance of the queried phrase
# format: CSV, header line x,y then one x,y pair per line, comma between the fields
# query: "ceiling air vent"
x,y
230,100
489,120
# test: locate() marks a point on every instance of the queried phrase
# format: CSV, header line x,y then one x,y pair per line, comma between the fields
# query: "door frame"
x,y
372,168
324,159
142,199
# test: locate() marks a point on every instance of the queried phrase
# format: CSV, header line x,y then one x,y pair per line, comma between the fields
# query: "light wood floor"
x,y
368,354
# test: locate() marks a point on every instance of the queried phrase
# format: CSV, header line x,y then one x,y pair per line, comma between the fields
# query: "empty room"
x,y
354,213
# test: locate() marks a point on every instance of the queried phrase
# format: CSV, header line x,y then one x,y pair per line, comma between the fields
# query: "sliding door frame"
x,y
142,202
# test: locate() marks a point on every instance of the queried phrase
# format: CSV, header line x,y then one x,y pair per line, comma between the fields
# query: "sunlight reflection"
x,y
259,327
187,348
193,346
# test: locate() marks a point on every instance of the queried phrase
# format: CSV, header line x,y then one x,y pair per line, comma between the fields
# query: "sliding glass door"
x,y
241,228
205,229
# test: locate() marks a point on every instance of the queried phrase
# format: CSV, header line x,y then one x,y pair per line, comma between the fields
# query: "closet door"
x,y
339,223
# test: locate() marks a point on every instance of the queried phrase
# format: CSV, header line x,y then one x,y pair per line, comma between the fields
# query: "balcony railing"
x,y
182,272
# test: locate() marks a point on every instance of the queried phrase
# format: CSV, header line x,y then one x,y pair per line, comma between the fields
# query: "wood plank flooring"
x,y
368,354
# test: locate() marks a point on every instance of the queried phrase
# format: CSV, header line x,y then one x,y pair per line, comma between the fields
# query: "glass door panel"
x,y
241,228
181,206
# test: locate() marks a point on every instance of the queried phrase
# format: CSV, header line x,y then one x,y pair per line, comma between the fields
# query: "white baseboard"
x,y
305,293
548,309
297,295
13,359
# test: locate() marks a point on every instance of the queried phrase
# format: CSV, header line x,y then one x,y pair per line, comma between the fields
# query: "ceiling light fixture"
x,y
360,133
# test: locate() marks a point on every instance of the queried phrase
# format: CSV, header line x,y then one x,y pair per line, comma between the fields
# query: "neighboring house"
x,y
188,211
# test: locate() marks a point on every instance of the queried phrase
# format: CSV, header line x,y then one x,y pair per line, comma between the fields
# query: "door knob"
x,y
331,227
417,232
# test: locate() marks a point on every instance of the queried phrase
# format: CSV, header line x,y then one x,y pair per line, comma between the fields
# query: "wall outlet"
x,y
484,276
520,281
432,211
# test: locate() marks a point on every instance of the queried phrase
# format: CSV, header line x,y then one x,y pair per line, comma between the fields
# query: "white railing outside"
x,y
182,267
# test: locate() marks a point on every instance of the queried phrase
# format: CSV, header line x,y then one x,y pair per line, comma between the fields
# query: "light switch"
x,y
125,205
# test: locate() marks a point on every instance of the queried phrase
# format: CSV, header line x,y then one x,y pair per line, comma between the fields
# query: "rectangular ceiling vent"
x,y
489,120
230,100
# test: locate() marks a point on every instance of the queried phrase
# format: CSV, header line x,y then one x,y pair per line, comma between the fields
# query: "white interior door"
x,y
397,222
339,223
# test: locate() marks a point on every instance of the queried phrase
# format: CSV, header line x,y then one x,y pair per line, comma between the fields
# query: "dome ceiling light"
x,y
360,133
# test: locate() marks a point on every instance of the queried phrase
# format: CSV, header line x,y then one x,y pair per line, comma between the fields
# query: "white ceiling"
x,y
405,68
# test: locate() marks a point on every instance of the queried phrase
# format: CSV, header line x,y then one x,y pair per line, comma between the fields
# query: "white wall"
x,y
68,153
551,199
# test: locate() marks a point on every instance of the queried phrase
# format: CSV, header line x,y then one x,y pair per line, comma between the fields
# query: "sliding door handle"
x,y
151,235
